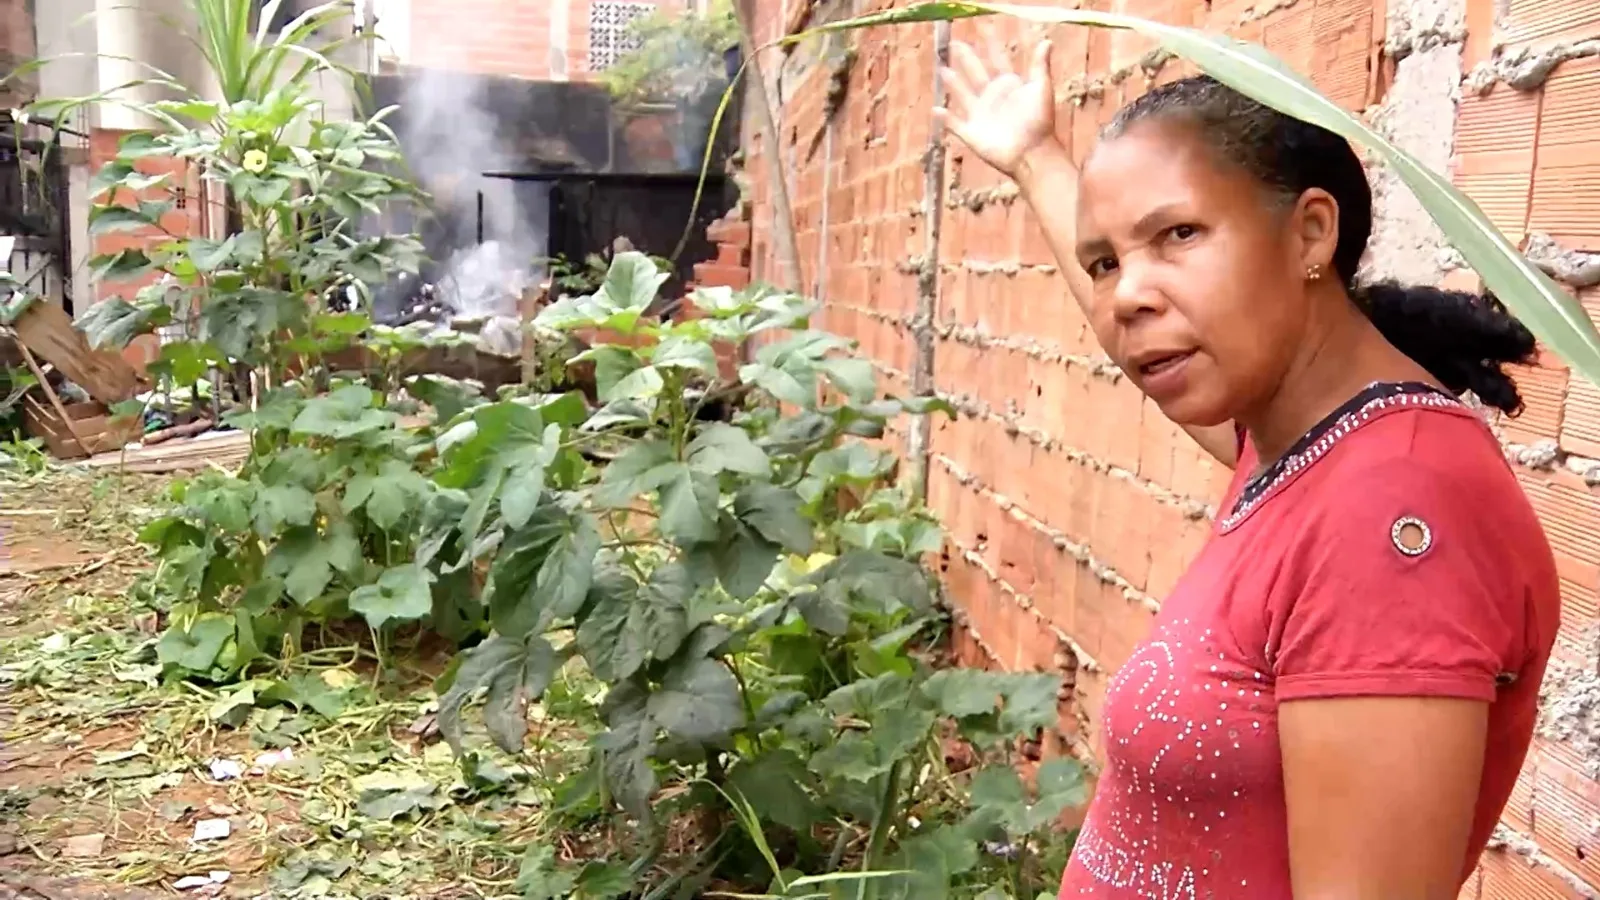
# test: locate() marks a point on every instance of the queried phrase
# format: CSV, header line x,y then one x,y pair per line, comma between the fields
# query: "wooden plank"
x,y
47,330
55,402
226,449
86,430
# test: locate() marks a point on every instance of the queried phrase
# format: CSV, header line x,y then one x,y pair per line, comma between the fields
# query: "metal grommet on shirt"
x,y
1411,535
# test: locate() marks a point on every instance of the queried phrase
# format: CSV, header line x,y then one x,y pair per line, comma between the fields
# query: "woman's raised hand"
x,y
1001,115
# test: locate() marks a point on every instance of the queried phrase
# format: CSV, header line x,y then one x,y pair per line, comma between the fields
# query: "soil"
x,y
56,559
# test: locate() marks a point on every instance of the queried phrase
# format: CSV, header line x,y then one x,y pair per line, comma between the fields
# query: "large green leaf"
x,y
626,746
116,322
867,581
543,572
641,468
186,362
774,512
998,796
1554,316
741,559
240,323
515,671
525,470
679,352
114,218
699,701
611,365
282,504
628,624
1026,702
539,877
195,648
720,447
389,495
224,503
306,560
868,695
932,859
641,384
120,266
632,282
120,173
345,413
688,506
507,449
774,783
857,756
401,594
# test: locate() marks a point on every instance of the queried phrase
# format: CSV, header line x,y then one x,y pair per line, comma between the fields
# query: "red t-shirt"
x,y
1304,591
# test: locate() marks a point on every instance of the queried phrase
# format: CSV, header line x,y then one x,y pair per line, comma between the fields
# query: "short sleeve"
x,y
1397,586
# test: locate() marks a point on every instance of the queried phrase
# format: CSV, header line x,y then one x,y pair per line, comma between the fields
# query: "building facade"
x,y
542,40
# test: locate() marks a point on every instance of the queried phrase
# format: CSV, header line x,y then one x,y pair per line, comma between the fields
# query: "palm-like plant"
x,y
297,181
250,61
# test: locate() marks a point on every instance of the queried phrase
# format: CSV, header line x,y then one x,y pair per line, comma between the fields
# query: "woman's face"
x,y
1199,286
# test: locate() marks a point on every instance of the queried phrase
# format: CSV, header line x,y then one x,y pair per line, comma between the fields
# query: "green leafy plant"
x,y
729,559
585,277
297,185
749,591
321,522
679,55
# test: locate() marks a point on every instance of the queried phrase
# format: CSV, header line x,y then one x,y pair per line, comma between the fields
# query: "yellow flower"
x,y
255,161
815,561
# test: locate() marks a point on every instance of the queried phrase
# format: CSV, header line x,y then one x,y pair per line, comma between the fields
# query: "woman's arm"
x,y
1385,664
1010,124
1381,794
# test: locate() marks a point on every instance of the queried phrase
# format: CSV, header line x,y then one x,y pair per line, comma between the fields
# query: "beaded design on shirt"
x,y
1120,860
1291,466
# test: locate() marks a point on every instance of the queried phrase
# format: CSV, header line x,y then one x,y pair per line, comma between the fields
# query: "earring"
x,y
1314,272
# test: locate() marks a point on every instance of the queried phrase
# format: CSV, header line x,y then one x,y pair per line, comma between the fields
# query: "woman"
x,y
1339,693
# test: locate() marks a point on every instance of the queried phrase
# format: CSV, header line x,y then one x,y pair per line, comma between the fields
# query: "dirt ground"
x,y
71,726
118,785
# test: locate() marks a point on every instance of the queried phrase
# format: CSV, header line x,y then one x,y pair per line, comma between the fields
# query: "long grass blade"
x,y
269,11
268,59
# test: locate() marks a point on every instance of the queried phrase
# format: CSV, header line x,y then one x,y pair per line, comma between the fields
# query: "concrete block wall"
x,y
1072,503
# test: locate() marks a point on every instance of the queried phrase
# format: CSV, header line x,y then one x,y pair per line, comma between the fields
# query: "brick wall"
x,y
1072,503
186,219
520,38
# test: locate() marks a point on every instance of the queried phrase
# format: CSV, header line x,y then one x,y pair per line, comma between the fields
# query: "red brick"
x,y
1567,175
1547,21
1495,152
1566,805
719,275
1507,876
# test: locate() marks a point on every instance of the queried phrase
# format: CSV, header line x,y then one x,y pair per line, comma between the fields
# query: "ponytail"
x,y
1464,340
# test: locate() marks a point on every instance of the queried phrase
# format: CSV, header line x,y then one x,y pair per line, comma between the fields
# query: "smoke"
x,y
489,231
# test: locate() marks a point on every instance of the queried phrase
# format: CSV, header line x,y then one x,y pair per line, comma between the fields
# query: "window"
x,y
288,11
609,34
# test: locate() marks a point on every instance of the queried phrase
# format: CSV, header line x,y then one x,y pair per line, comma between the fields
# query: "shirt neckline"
x,y
1367,404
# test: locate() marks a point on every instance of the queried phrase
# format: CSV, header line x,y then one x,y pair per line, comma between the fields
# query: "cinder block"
x,y
1566,180
1549,21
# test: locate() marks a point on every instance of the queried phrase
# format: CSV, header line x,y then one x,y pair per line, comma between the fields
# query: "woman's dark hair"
x,y
1462,339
